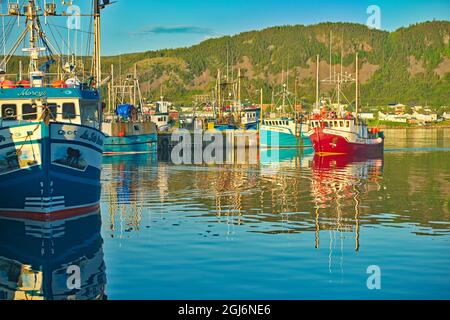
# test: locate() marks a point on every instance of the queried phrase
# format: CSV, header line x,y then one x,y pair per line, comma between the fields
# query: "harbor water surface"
x,y
303,228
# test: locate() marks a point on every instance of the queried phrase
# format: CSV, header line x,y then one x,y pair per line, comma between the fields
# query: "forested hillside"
x,y
409,66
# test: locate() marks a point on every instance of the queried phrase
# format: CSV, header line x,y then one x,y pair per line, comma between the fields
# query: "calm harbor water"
x,y
302,228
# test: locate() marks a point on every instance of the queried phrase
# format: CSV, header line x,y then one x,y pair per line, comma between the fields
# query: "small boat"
x,y
128,130
51,142
161,115
250,117
285,131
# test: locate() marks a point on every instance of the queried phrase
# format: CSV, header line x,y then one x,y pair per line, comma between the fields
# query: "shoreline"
x,y
414,128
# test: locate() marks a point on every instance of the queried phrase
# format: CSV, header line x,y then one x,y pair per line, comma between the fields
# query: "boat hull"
x,y
225,127
251,126
49,169
333,144
140,144
271,138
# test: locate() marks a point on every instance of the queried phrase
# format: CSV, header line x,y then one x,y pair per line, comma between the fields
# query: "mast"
x,y
261,105
135,89
97,47
317,82
331,45
31,15
219,93
357,84
239,89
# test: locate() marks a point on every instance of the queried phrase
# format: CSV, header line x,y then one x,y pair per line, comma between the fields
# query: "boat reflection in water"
x,y
41,260
128,182
338,186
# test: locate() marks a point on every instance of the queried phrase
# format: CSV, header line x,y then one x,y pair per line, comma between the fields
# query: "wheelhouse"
x,y
276,122
250,115
344,124
76,106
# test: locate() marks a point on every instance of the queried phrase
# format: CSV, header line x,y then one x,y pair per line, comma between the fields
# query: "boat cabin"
x,y
277,122
348,126
249,116
67,105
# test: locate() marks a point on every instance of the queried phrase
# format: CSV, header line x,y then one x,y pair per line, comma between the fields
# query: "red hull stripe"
x,y
54,216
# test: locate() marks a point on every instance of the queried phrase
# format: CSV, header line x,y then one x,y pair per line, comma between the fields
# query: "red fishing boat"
x,y
349,136
339,132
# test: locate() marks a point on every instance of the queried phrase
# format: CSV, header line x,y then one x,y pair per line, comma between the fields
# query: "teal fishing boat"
x,y
287,130
127,129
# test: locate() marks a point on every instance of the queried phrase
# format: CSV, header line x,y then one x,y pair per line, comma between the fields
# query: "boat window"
x,y
68,111
336,124
29,111
89,112
53,108
347,124
327,124
9,112
341,124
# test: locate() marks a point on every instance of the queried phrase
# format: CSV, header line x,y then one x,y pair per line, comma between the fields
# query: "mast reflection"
x,y
36,259
338,183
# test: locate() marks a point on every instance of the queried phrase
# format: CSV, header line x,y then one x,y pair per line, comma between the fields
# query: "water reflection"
x,y
35,258
236,231
417,139
338,184
126,180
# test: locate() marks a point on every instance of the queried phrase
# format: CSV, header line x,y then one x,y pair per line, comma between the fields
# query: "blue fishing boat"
x,y
285,131
130,138
51,142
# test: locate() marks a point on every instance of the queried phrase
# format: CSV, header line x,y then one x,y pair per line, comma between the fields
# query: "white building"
x,y
367,116
393,118
427,117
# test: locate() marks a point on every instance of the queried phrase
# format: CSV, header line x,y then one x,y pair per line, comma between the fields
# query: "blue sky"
x,y
138,25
